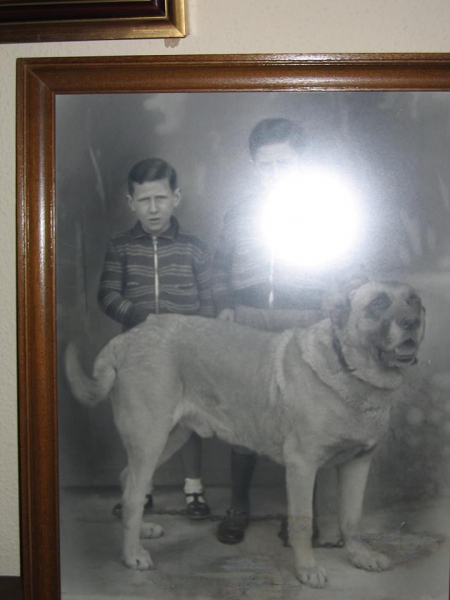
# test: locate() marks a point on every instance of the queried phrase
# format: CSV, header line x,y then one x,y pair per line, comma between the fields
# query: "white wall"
x,y
253,26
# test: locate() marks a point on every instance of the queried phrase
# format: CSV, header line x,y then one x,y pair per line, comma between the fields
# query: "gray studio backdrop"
x,y
395,149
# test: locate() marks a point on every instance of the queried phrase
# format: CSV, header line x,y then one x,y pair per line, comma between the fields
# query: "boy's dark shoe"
x,y
117,510
197,509
232,529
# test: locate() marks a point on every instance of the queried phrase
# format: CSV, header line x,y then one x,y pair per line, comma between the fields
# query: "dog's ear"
x,y
339,306
340,311
346,282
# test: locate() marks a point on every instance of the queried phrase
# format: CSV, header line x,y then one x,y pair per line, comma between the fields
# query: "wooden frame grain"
x,y
38,82
78,20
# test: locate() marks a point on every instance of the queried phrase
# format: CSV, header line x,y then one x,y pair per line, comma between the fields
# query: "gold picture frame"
x,y
39,82
82,20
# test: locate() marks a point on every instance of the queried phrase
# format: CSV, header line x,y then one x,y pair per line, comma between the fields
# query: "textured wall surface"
x,y
310,26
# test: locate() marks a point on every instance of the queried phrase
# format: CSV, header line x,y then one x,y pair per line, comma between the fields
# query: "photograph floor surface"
x,y
192,565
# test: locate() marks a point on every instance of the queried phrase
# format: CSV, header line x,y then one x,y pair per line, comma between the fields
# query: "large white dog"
x,y
305,398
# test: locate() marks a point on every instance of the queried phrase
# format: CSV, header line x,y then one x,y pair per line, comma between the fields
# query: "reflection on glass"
x,y
311,219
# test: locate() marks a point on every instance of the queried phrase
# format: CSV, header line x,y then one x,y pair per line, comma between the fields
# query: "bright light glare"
x,y
311,219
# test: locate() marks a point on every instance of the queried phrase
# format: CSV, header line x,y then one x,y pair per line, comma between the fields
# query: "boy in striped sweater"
x,y
158,267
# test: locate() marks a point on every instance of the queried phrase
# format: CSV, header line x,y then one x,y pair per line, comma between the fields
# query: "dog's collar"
x,y
338,349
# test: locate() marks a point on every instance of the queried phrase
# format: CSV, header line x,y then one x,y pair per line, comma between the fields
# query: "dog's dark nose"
x,y
410,323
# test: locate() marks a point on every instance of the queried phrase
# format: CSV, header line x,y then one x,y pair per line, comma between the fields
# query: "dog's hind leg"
x,y
147,530
300,478
325,535
352,482
177,438
141,466
144,436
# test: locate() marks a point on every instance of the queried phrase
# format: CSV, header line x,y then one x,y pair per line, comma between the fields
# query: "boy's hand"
x,y
226,314
137,315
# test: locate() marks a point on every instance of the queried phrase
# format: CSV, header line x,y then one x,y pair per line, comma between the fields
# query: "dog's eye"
x,y
381,302
414,301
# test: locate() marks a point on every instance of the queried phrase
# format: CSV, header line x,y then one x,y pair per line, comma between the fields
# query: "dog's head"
x,y
382,319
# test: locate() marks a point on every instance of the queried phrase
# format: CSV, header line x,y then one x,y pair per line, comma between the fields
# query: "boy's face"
x,y
154,202
275,161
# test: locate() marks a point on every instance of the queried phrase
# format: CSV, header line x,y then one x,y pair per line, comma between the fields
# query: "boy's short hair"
x,y
151,169
276,131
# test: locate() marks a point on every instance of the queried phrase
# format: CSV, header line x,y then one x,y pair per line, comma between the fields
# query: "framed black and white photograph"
x,y
78,20
233,278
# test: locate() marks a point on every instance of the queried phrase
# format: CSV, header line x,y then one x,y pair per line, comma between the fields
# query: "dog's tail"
x,y
90,391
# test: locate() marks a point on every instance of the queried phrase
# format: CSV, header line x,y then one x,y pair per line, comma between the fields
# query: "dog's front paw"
x,y
139,561
150,530
315,577
365,558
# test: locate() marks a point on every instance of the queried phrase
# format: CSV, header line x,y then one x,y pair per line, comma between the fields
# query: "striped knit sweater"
x,y
144,274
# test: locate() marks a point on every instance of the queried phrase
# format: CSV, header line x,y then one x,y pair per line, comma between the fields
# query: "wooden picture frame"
x,y
39,82
82,20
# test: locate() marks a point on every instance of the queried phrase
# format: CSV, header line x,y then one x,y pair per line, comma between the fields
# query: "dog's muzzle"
x,y
403,354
